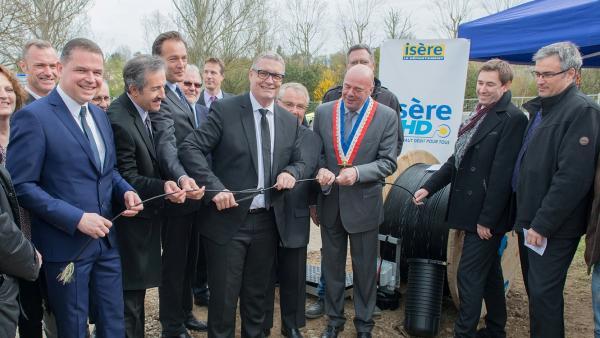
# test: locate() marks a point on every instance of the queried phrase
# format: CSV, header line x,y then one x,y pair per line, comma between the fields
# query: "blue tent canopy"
x,y
517,33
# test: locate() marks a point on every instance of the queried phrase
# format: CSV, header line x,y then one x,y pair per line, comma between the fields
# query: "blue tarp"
x,y
517,33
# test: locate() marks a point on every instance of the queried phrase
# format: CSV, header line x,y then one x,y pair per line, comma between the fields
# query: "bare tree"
x,y
154,24
355,24
397,25
303,27
495,6
56,21
449,14
226,28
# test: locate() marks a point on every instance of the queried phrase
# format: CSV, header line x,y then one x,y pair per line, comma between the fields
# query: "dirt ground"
x,y
578,309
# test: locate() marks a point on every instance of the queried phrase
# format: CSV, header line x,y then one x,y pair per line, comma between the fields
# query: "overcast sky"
x,y
118,22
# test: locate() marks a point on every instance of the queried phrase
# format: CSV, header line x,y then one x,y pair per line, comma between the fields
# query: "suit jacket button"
x,y
473,169
469,193
477,146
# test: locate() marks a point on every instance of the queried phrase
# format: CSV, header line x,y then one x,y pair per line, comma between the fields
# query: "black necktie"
x,y
148,127
265,138
88,133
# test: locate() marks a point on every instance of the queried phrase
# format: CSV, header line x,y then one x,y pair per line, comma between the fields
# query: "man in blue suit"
x,y
62,159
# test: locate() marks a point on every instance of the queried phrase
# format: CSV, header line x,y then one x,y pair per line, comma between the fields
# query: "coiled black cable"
x,y
422,229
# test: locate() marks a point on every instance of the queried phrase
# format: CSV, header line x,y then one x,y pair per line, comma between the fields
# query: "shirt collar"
x,y
207,96
256,106
71,104
35,96
173,87
140,110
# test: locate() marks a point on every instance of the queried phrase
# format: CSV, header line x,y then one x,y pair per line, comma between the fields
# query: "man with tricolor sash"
x,y
359,149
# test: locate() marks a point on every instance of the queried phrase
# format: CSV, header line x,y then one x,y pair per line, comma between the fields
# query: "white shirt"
x,y
207,97
259,200
140,110
74,108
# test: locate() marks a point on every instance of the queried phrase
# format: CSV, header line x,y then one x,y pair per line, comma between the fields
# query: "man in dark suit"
x,y
63,163
352,207
139,236
253,144
192,82
487,147
213,74
39,62
172,123
290,267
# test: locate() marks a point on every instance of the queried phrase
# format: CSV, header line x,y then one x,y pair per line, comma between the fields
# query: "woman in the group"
x,y
18,257
12,98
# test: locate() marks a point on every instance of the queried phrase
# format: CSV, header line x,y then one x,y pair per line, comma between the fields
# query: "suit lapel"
x,y
247,118
139,125
172,96
490,121
64,115
279,136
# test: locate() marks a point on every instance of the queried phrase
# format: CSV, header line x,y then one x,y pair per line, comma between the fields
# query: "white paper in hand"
x,y
537,249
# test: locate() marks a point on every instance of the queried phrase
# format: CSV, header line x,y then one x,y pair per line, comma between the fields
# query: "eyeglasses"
x,y
263,75
547,75
198,85
101,98
291,105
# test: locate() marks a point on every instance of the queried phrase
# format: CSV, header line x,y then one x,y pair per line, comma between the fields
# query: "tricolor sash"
x,y
346,149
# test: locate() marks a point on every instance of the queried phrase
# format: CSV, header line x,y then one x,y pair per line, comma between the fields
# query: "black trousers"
x,y
544,278
180,250
134,313
30,297
200,282
241,269
480,278
290,271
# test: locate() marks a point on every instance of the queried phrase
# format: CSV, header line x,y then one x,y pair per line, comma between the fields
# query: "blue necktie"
x,y
88,133
536,122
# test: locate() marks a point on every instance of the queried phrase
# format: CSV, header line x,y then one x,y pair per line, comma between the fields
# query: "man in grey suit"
x,y
171,125
213,74
290,269
360,148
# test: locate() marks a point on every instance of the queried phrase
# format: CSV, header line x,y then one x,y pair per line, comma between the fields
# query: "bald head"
x,y
358,86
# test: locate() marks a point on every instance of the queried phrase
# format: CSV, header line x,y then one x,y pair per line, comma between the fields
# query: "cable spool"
x,y
423,231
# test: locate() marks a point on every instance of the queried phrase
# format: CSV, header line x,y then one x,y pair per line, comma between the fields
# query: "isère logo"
x,y
421,51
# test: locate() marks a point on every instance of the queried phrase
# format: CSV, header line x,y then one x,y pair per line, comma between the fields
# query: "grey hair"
x,y
567,53
360,46
135,70
41,44
193,68
298,87
269,55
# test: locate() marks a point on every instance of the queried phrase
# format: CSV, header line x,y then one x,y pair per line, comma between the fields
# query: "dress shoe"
x,y
315,310
364,335
201,296
181,335
293,333
331,332
191,323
